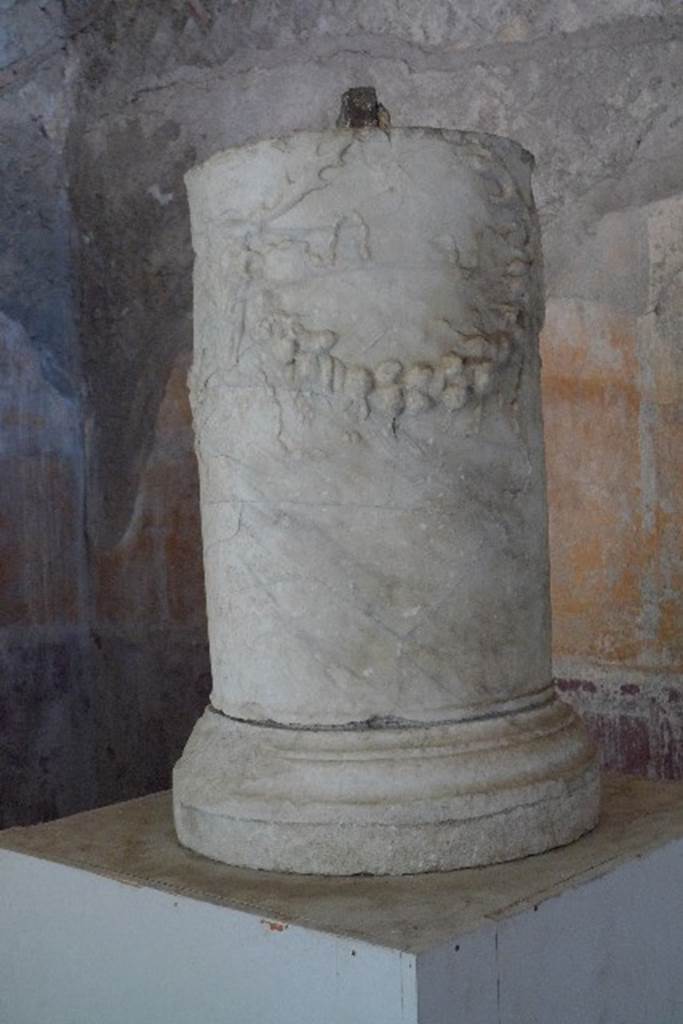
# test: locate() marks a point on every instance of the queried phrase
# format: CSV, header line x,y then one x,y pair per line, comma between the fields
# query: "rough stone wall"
x,y
120,98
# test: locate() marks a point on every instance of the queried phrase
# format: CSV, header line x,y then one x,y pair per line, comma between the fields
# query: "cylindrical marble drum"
x,y
367,412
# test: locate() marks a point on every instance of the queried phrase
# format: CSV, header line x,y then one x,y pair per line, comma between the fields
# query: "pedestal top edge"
x,y
135,842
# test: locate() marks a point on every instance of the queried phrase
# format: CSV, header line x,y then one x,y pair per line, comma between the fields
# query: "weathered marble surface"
x,y
366,403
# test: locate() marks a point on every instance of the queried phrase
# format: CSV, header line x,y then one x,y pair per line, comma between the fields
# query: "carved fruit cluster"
x,y
389,388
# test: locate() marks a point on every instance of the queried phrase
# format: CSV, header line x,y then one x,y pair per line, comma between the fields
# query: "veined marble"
x,y
366,403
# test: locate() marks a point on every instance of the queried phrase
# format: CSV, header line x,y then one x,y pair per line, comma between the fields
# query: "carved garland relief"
x,y
390,388
473,353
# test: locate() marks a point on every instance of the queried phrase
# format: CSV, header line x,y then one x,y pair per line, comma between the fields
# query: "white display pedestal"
x,y
105,919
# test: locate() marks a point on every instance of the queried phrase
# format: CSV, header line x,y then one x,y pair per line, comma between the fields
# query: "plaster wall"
x,y
104,106
45,702
84,717
595,91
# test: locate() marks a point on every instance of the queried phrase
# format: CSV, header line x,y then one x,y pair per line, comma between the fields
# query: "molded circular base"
x,y
392,800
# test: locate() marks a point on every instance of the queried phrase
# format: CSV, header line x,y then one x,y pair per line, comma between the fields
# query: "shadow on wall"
x,y
89,716
45,700
150,658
